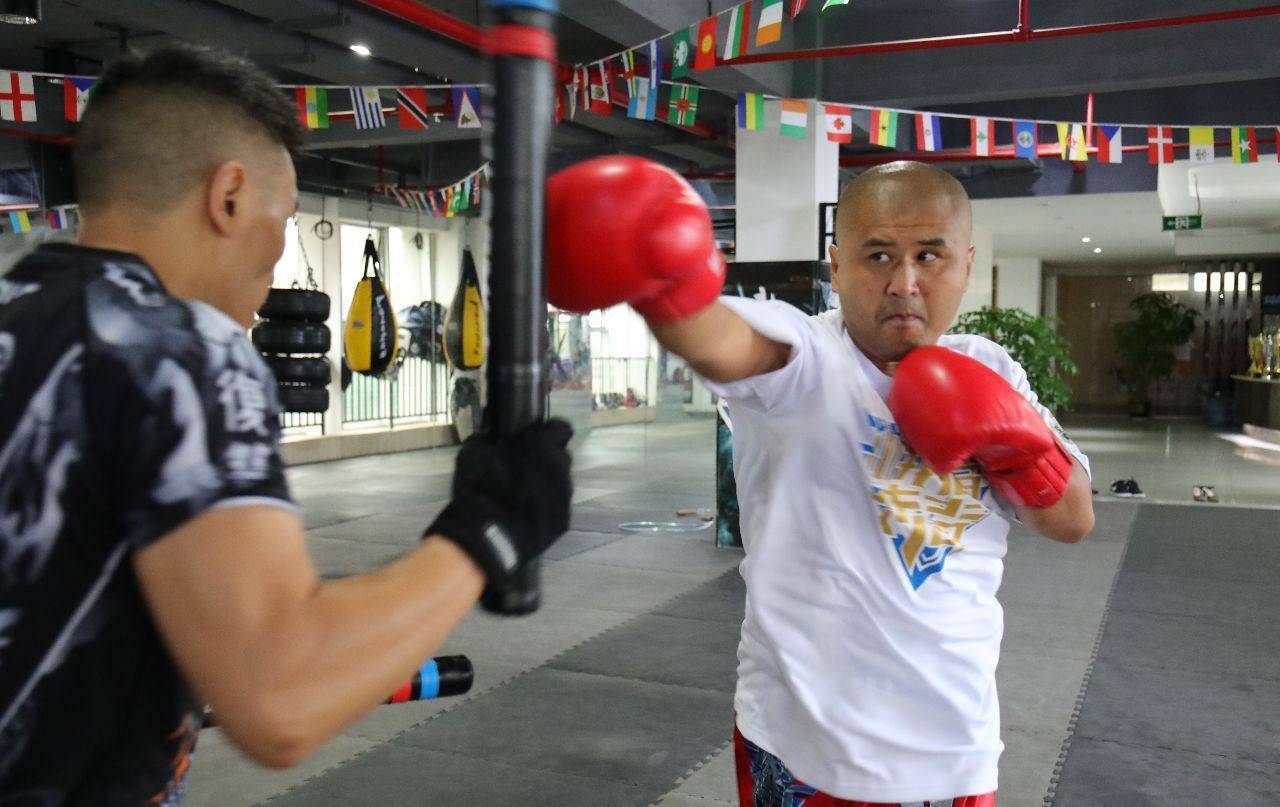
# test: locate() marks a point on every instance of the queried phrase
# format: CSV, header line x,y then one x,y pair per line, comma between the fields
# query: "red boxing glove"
x,y
627,230
952,408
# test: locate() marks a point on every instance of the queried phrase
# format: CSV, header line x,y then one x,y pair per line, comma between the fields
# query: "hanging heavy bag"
x,y
369,337
464,326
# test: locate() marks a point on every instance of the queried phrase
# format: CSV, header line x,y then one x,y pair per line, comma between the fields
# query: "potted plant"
x,y
1147,345
1043,352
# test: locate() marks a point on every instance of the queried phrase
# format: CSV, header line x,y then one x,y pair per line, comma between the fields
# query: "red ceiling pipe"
x,y
447,26
1000,37
61,140
1024,20
425,17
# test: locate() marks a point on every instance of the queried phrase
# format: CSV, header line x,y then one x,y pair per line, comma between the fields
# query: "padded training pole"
x,y
523,50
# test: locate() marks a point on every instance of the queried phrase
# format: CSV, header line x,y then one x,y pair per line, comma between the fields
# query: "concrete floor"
x,y
603,585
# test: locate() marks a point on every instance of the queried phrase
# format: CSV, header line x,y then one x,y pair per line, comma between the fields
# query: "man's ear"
x,y
968,265
834,254
226,193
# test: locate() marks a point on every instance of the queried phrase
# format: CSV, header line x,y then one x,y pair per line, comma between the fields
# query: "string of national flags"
x,y
447,202
24,221
1073,141
413,107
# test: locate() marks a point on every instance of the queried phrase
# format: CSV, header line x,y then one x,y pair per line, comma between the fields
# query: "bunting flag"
x,y
1159,144
795,118
629,72
19,220
750,111
982,132
681,54
1110,145
1079,148
1064,139
411,108
367,106
1244,144
1025,141
435,208
559,111
75,94
796,7
884,128
313,107
683,110
833,3
840,123
57,220
599,92
705,58
1201,140
655,68
769,29
739,21
643,104
928,132
466,107
17,97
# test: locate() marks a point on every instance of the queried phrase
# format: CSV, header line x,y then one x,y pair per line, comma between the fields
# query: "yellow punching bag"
x,y
464,345
369,337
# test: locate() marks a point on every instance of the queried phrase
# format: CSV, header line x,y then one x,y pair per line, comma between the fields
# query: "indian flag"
x,y
313,107
770,26
884,127
795,118
750,111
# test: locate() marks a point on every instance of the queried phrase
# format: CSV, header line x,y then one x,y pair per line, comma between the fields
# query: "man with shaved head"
x,y
879,463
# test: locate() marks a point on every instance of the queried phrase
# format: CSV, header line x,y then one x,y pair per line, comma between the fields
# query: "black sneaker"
x,y
1134,490
1120,488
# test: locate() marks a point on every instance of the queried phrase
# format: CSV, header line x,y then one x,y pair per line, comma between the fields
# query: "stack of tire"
x,y
293,339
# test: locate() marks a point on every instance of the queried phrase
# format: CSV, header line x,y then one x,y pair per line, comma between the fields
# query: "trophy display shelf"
x,y
1258,406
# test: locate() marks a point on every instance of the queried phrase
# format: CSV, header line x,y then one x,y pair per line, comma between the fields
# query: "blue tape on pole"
x,y
430,675
549,6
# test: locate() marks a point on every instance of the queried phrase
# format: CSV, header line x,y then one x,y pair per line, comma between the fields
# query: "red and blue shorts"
x,y
763,781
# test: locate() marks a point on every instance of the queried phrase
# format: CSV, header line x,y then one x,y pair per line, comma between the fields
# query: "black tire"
x,y
293,370
301,398
291,337
295,305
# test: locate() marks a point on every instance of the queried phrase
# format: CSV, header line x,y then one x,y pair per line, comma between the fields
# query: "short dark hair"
x,y
159,123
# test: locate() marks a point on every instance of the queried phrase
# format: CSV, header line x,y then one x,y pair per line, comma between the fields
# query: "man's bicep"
x,y
216,583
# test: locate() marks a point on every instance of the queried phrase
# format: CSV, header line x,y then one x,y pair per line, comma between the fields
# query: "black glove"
x,y
510,498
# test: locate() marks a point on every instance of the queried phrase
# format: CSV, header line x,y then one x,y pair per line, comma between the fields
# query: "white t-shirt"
x,y
872,631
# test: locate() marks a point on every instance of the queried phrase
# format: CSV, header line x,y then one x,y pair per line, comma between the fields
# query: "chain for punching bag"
x,y
523,50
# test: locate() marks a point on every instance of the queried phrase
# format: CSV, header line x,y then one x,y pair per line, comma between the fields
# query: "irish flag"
x,y
770,26
795,118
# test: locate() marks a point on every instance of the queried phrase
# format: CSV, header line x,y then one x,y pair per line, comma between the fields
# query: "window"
x,y
1170,282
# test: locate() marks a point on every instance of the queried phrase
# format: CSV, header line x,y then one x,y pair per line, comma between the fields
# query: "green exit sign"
x,y
1183,223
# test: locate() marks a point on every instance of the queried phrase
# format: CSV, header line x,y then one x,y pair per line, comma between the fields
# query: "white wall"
x,y
979,293
780,180
1019,284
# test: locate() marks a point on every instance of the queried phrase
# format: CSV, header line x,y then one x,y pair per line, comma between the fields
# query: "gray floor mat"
x,y
1183,701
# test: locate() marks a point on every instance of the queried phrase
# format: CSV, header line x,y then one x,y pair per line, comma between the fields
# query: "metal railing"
x,y
621,381
417,393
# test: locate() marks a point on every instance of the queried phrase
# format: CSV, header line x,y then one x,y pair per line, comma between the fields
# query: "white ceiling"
x,y
1240,205
1127,226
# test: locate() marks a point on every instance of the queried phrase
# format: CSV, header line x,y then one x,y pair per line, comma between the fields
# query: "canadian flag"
x,y
839,123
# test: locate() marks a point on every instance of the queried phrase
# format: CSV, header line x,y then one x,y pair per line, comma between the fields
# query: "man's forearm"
x,y
1068,520
720,346
353,641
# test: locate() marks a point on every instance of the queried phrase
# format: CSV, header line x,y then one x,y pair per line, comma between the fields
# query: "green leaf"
x,y
1044,353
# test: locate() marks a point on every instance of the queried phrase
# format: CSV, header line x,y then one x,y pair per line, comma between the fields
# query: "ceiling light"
x,y
361,50
20,12
1097,250
1085,240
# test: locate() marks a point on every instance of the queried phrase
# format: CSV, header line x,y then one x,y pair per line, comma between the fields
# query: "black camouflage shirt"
x,y
123,413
